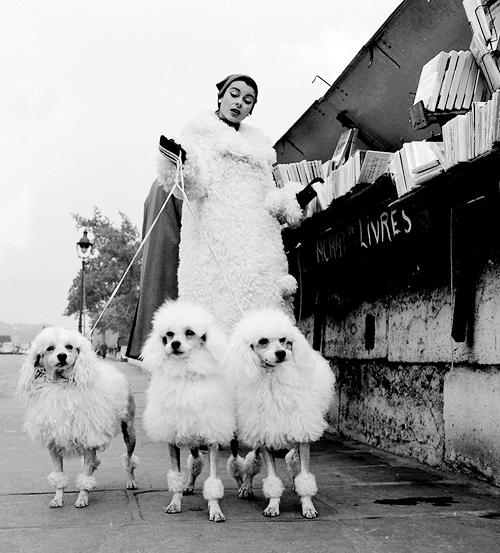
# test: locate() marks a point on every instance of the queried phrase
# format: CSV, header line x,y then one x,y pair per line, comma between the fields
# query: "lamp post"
x,y
83,248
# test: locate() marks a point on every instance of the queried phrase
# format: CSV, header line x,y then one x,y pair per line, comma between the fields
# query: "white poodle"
x,y
283,389
188,399
76,404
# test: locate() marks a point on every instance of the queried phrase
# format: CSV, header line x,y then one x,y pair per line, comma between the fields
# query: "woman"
x,y
231,256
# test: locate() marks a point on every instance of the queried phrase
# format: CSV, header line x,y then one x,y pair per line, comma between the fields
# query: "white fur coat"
x,y
235,202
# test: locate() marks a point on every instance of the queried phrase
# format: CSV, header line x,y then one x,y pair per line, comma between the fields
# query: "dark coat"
x,y
160,260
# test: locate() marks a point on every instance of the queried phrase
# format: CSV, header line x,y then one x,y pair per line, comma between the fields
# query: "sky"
x,y
88,86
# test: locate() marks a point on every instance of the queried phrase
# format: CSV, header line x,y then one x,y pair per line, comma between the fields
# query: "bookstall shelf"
x,y
461,184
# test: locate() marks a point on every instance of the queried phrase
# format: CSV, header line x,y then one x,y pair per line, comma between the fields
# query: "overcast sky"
x,y
88,86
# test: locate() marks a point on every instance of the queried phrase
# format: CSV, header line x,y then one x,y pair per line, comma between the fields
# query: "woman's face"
x,y
237,102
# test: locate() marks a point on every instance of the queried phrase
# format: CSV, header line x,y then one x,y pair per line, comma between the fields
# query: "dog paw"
x,y
245,491
271,511
81,502
308,510
56,503
188,490
216,515
173,508
132,485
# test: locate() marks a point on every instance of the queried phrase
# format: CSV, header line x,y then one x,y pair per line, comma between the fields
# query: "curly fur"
x,y
280,406
228,178
187,401
283,389
75,402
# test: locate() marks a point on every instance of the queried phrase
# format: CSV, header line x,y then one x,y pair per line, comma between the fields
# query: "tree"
x,y
112,251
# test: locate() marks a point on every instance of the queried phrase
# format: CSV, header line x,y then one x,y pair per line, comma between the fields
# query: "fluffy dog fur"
x,y
188,400
283,389
76,404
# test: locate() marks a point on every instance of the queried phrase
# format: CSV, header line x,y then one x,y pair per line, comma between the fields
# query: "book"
x,y
341,153
430,81
462,85
452,95
472,84
396,171
448,77
374,164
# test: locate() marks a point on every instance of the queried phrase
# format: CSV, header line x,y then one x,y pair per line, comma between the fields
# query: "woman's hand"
x,y
308,194
169,145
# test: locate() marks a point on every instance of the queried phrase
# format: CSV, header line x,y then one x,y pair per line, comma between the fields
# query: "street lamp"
x,y
83,248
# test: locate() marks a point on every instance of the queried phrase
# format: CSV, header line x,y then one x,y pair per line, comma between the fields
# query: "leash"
x,y
179,184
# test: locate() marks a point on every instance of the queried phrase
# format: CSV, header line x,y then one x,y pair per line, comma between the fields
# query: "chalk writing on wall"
x,y
367,233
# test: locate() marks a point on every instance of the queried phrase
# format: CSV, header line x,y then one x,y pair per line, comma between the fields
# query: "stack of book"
x,y
415,163
302,171
450,82
474,133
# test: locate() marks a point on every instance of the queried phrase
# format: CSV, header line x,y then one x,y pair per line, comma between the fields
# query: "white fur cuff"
x,y
195,465
58,479
175,481
84,482
235,467
272,486
134,461
213,488
252,463
305,485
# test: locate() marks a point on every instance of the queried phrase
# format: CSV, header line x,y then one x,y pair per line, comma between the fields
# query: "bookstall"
x,y
401,290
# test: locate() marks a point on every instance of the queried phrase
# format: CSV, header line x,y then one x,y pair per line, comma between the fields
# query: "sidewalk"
x,y
368,501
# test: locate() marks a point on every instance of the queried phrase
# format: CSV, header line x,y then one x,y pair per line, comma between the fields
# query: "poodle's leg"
x,y
129,460
174,480
194,466
213,490
272,486
57,478
86,481
305,483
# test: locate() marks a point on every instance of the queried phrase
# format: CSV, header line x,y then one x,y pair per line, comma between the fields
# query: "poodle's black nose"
x,y
62,357
280,355
175,345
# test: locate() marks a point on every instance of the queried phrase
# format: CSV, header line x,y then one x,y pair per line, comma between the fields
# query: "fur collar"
x,y
248,142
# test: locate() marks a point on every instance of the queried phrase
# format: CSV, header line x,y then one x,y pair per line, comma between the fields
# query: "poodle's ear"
x,y
303,353
85,370
153,353
240,360
27,374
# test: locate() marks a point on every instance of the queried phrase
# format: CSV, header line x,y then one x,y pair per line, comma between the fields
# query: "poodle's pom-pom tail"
x,y
213,488
195,465
305,485
252,463
292,462
175,481
58,480
272,486
236,467
85,482
130,463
